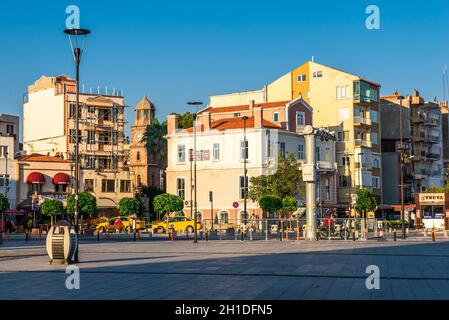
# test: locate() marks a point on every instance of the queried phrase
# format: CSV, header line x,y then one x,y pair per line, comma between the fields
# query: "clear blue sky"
x,y
176,51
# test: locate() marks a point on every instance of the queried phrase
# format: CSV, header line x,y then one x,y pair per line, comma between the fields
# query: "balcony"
x,y
434,139
362,121
433,156
327,166
363,143
432,122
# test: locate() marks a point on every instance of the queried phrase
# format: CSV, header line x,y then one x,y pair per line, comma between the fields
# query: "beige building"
x,y
273,130
49,129
344,103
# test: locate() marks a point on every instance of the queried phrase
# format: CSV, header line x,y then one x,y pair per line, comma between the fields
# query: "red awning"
x,y
61,178
36,178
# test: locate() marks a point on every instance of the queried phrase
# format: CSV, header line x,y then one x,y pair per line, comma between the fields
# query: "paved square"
x,y
410,269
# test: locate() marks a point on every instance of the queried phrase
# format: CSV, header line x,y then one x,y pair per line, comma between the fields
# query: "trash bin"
x,y
61,243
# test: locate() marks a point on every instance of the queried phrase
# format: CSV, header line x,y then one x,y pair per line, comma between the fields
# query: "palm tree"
x,y
156,143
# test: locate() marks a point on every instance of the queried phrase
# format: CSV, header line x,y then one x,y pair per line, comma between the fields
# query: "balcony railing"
x,y
363,143
326,165
433,156
362,121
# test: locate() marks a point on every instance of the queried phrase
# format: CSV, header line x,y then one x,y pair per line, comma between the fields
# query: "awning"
x,y
106,203
36,178
61,178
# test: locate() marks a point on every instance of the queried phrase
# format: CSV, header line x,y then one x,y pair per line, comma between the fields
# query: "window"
x,y
104,137
345,161
300,151
181,188
216,151
89,185
181,153
138,156
244,148
300,118
108,186
344,181
275,117
9,129
318,154
302,78
72,107
139,114
4,180
327,187
376,162
146,114
60,187
32,188
72,137
237,114
90,137
376,182
139,181
374,116
342,92
125,186
374,137
3,151
281,146
318,74
243,186
224,216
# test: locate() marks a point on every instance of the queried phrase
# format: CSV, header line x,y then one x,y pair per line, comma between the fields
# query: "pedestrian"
x,y
412,219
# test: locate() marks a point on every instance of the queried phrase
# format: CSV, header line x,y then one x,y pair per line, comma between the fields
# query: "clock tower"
x,y
140,162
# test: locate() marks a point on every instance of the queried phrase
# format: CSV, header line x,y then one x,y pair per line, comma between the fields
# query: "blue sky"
x,y
184,50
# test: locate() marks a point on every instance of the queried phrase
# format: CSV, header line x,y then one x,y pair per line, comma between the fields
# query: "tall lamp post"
x,y
195,203
401,154
74,35
245,174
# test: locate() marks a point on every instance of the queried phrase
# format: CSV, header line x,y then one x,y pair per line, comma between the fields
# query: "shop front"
x,y
432,210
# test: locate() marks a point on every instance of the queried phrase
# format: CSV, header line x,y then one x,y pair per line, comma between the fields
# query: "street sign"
x,y
235,205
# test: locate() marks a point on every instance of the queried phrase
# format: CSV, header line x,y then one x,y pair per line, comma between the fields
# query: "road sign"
x,y
235,205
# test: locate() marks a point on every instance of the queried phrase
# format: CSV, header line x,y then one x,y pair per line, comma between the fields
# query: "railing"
x,y
362,120
326,165
433,156
363,143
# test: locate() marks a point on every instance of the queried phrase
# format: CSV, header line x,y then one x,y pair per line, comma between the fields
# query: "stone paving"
x,y
409,269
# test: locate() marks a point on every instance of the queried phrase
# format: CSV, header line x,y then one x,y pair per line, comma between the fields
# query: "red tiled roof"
x,y
265,105
35,157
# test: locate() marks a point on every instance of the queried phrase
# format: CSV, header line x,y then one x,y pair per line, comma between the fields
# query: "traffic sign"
x,y
235,205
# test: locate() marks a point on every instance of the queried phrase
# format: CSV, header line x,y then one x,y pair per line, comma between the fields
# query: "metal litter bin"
x,y
62,242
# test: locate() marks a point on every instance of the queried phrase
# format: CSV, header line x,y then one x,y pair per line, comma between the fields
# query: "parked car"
x,y
179,223
110,225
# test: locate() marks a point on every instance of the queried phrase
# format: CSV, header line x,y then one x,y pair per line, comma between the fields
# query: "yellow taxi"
x,y
112,225
179,224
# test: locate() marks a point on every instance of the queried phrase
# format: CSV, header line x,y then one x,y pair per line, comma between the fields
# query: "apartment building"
x,y
445,140
49,128
423,140
273,130
9,147
345,103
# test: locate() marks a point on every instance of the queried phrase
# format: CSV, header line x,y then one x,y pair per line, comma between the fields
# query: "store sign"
x,y
431,197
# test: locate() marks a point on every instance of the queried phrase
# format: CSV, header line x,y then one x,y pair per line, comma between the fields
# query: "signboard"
x,y
235,205
371,215
431,197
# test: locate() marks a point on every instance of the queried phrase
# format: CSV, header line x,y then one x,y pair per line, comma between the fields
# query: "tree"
x,y
4,203
155,141
168,203
150,193
185,120
289,205
87,204
52,208
270,204
286,182
366,201
435,189
129,206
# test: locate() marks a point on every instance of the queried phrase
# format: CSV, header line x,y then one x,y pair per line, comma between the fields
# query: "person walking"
x,y
412,219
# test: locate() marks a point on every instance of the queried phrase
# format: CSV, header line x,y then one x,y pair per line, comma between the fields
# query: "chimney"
x,y
258,118
205,120
172,123
252,105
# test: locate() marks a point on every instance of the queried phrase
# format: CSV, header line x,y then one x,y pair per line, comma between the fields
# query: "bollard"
x,y
134,236
138,235
394,236
297,233
329,231
286,234
98,236
251,234
26,236
266,232
207,236
281,233
434,234
40,235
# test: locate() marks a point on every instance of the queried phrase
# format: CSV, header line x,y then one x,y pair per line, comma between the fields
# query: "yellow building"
x,y
344,103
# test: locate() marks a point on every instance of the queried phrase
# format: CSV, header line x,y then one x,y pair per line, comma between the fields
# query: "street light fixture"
x,y
195,116
245,174
401,150
74,38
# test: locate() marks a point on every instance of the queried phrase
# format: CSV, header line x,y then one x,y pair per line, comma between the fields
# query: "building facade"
x,y
344,103
423,141
9,148
147,169
103,171
272,130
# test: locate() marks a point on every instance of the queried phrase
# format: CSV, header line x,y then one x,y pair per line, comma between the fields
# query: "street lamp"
x,y
74,35
195,116
401,150
245,173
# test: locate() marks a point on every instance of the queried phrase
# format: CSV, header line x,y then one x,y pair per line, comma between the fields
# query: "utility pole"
x,y
401,150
